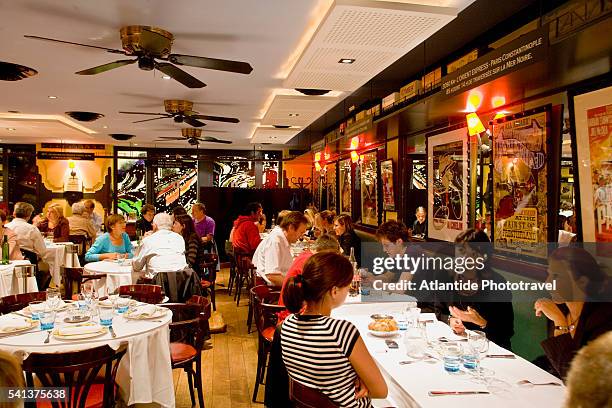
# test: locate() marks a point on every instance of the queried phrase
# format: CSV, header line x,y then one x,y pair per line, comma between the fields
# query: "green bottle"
x,y
5,250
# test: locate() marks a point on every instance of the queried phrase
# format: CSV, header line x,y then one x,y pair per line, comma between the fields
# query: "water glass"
x,y
415,341
36,308
106,316
82,301
412,315
47,320
123,303
451,355
470,357
53,298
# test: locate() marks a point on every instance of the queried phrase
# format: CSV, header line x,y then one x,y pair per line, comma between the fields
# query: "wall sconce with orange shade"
x,y
354,157
317,157
354,143
474,123
498,101
317,166
474,101
71,166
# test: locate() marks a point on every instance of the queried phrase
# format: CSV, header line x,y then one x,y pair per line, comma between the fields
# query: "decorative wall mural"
x,y
131,185
175,186
237,173
369,189
345,186
269,174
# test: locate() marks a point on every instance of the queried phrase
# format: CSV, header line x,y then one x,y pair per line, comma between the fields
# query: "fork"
x,y
48,336
527,382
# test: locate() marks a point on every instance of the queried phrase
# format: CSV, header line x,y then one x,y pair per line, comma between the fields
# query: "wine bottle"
x,y
5,250
352,259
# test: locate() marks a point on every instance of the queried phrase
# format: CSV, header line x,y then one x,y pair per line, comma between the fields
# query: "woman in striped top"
x,y
321,352
194,250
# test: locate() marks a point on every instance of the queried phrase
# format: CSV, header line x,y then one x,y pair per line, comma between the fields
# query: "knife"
x,y
112,332
500,356
2,336
441,393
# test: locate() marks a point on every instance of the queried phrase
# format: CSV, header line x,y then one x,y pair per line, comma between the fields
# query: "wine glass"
x,y
53,298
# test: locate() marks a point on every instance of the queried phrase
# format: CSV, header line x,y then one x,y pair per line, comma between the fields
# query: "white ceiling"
x,y
265,33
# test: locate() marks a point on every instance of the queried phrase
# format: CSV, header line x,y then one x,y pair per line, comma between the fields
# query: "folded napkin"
x,y
14,325
144,311
79,329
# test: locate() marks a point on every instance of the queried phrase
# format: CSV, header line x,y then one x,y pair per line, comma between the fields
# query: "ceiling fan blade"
x,y
216,118
35,37
193,122
179,75
211,63
148,120
214,140
145,113
106,67
171,138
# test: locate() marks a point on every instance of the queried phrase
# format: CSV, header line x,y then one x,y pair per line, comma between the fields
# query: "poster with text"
x,y
520,185
345,187
447,188
369,189
593,118
331,186
386,175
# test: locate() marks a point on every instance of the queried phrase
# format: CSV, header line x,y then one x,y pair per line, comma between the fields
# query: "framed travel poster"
x,y
447,188
593,127
386,176
345,187
369,188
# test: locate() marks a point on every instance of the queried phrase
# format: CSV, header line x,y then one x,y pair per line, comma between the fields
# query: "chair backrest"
x,y
306,397
187,324
13,303
204,304
82,241
76,370
208,266
265,307
30,256
73,277
143,293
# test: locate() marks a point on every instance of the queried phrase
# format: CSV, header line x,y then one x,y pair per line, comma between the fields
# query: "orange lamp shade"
x,y
317,166
475,126
317,156
498,115
71,164
354,143
354,157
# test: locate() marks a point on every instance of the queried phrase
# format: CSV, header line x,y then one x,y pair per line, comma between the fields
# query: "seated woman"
x,y
490,312
55,224
194,250
323,223
345,371
580,308
11,236
343,227
112,244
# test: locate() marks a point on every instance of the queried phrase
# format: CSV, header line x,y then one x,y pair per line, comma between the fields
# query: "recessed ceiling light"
x,y
135,144
293,115
273,137
11,129
104,127
166,77
52,97
346,60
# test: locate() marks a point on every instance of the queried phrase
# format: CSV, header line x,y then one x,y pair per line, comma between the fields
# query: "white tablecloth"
x,y
117,274
7,279
409,384
55,258
145,371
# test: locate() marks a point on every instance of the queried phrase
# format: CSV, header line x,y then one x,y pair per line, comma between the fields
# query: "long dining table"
x,y
410,384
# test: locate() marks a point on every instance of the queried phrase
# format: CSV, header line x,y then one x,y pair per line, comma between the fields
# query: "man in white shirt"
x,y
28,236
162,254
273,257
96,219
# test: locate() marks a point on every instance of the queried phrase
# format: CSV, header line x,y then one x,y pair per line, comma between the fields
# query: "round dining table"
x,y
118,273
144,374
10,284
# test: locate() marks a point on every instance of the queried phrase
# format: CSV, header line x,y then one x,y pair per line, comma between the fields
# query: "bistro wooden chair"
x,y
243,260
204,304
82,242
186,344
265,309
143,293
252,281
74,278
78,371
229,251
306,397
13,303
209,275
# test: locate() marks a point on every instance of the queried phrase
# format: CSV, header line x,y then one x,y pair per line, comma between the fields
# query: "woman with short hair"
x,y
113,244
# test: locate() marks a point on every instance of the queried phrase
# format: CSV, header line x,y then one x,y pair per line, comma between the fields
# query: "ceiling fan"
x,y
150,43
193,137
182,111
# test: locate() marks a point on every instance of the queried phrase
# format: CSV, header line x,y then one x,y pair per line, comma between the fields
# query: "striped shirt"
x,y
315,350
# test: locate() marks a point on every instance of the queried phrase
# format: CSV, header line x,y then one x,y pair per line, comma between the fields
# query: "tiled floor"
x,y
229,366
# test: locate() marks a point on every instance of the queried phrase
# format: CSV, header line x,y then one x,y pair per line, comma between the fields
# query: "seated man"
x,y
245,235
164,251
80,223
144,224
96,219
419,228
273,257
204,225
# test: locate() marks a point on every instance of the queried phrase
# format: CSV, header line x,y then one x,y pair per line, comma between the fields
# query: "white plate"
x,y
102,331
32,324
66,305
107,303
383,333
159,312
